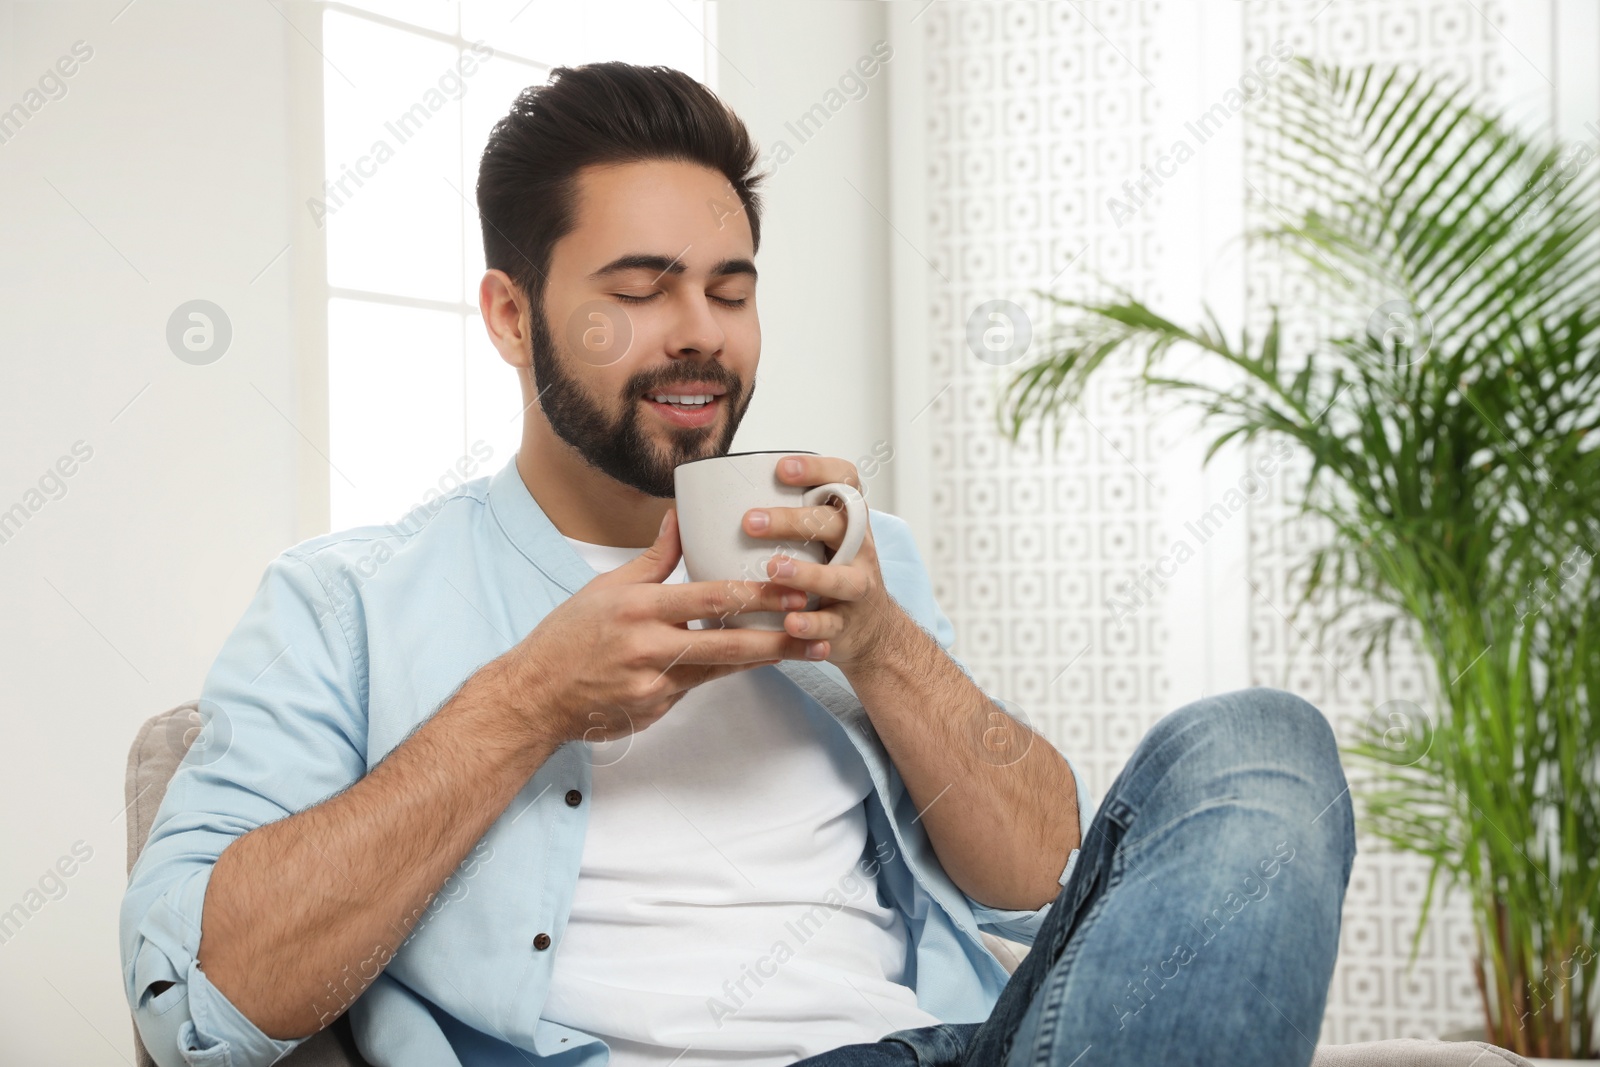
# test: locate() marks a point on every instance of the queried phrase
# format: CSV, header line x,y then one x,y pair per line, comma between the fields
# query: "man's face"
x,y
651,294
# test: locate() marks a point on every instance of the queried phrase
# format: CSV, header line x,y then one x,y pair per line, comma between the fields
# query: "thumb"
x,y
656,563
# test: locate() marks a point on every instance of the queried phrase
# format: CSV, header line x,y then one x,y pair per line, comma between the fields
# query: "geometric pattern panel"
x,y
1033,123
1037,114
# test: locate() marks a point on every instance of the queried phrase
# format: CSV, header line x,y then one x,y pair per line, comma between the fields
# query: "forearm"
x,y
998,802
302,914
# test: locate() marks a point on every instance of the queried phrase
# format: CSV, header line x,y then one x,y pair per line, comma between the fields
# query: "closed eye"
x,y
724,301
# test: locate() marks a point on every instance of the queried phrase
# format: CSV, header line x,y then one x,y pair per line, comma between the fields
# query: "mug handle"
x,y
855,513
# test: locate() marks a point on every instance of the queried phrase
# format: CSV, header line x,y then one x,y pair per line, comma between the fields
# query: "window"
x,y
414,385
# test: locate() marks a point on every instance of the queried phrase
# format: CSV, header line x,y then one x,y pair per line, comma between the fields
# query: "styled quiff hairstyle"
x,y
598,113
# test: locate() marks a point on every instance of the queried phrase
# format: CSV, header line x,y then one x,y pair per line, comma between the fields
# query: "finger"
x,y
823,523
720,647
654,564
823,579
819,625
719,599
817,470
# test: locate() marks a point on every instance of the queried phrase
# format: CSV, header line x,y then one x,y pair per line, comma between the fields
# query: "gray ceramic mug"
x,y
712,498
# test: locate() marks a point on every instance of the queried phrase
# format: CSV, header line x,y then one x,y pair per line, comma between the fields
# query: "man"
x,y
506,797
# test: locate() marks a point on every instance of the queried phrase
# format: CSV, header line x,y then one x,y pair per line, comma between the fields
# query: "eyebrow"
x,y
671,265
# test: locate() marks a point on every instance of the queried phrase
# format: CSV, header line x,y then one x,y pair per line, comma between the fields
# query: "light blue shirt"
x,y
355,638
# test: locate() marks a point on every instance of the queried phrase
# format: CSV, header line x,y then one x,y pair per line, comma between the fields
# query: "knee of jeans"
x,y
1260,724
1295,730
1312,732
1301,737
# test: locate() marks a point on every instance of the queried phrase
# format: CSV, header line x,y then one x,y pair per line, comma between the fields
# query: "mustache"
x,y
732,384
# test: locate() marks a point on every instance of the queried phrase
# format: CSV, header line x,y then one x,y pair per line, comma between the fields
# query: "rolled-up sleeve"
x,y
284,728
907,577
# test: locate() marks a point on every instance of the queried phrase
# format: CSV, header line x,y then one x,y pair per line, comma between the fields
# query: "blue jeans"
x,y
1201,923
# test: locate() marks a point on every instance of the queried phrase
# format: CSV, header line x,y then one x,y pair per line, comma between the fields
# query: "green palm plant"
x,y
1454,466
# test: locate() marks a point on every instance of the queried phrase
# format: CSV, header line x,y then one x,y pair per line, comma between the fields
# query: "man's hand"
x,y
854,610
298,904
617,655
943,733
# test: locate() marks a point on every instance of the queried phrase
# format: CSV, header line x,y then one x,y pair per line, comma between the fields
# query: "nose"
x,y
695,333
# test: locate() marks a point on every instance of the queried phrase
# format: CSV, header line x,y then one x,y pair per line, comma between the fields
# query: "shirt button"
x,y
574,798
541,942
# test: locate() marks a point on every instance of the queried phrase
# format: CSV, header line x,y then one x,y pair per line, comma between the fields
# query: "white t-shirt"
x,y
722,905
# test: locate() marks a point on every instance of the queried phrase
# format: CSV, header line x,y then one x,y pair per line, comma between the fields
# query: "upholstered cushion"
x,y
1408,1052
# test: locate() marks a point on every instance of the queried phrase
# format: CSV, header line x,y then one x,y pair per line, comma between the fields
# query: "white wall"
x,y
824,381
168,172
159,177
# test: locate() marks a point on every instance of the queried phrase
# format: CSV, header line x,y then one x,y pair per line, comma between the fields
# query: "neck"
x,y
581,502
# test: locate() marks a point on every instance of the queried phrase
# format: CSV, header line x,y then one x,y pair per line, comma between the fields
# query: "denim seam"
x,y
1049,1017
1069,951
1061,966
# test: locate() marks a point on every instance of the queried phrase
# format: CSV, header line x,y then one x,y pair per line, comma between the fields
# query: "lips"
x,y
686,416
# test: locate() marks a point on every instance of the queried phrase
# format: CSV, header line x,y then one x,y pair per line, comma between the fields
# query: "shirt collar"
x,y
528,528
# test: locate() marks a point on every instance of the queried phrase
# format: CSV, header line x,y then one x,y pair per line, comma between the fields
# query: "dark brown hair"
x,y
598,113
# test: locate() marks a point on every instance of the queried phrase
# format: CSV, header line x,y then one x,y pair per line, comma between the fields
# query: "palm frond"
x,y
1454,464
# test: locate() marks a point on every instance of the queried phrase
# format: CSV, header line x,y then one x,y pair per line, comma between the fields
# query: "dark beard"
x,y
619,448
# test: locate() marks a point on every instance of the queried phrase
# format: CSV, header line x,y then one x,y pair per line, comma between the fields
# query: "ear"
x,y
505,317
